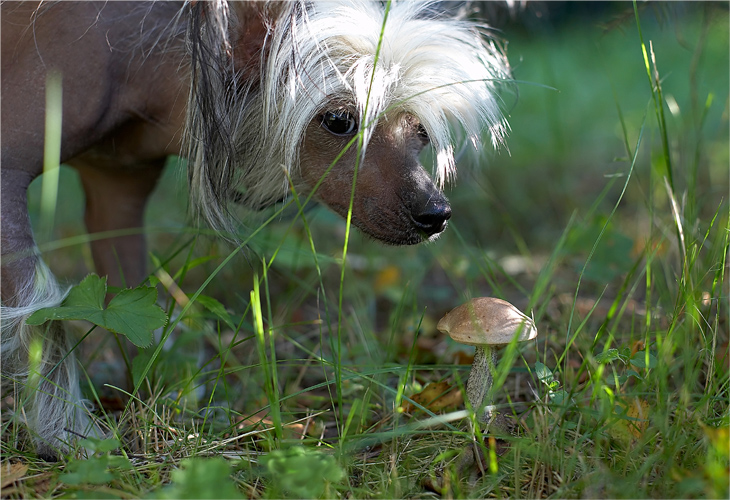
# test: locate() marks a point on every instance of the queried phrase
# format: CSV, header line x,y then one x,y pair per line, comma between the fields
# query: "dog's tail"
x,y
38,365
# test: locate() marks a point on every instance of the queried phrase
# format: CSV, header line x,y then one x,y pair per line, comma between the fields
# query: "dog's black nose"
x,y
432,218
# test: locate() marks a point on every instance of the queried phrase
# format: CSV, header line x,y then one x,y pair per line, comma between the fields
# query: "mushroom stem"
x,y
481,378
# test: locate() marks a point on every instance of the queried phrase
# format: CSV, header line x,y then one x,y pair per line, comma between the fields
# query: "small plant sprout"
x,y
486,323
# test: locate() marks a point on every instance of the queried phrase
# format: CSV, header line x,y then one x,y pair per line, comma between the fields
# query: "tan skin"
x,y
124,114
118,128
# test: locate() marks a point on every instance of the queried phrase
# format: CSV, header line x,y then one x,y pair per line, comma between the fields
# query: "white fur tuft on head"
x,y
443,71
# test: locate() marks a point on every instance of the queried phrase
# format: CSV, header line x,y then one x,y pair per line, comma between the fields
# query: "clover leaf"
x,y
132,312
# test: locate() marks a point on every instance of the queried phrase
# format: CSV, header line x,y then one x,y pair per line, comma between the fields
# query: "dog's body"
x,y
258,97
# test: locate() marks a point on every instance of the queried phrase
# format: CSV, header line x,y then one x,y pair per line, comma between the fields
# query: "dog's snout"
x,y
432,218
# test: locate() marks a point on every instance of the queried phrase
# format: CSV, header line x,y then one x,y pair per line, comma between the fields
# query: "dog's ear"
x,y
231,36
251,23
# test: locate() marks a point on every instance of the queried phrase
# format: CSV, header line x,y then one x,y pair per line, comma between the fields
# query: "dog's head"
x,y
395,199
353,92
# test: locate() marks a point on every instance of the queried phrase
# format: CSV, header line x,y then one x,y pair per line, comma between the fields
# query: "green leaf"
x,y
100,445
132,312
608,356
95,470
201,478
92,471
559,397
543,373
639,360
302,472
623,378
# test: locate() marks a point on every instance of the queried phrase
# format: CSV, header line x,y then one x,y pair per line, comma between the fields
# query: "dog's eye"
x,y
339,122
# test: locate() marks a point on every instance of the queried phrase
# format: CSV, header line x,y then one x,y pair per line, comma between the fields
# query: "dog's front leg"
x,y
48,385
116,197
115,202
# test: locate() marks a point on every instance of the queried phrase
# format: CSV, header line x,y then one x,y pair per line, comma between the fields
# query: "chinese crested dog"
x,y
259,97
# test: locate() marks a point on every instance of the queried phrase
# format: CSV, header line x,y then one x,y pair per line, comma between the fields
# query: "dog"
x,y
262,99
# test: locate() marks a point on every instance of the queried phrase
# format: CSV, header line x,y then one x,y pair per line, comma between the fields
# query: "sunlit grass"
x,y
51,153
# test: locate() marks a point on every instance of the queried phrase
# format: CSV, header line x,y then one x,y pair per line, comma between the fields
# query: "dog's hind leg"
x,y
48,384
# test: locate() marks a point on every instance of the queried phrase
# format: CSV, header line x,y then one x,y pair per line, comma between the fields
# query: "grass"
x,y
608,222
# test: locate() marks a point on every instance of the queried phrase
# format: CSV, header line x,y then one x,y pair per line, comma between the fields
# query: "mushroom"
x,y
486,323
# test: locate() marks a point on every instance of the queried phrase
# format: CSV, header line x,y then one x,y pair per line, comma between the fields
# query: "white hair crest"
x,y
442,71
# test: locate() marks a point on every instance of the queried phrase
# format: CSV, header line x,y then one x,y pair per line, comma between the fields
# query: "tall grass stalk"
x,y
268,362
348,223
51,153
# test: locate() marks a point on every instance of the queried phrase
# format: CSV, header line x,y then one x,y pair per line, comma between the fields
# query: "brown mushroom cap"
x,y
487,321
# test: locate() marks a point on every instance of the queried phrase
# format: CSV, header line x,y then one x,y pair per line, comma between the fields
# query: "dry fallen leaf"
x,y
294,430
388,276
719,438
638,409
436,396
636,421
462,358
11,473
